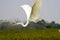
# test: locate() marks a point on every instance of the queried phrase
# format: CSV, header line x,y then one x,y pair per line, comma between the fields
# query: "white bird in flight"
x,y
31,12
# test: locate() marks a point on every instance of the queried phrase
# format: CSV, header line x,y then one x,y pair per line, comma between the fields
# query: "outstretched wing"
x,y
36,10
27,10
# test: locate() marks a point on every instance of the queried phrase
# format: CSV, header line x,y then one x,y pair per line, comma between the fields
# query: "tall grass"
x,y
31,34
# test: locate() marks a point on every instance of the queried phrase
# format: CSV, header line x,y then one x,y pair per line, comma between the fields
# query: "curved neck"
x,y
24,25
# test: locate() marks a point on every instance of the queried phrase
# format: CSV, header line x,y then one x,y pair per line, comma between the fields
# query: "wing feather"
x,y
36,10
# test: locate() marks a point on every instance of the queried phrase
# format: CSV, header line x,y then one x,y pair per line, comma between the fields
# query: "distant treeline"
x,y
6,25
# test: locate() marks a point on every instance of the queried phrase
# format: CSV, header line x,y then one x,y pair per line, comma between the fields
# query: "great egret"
x,y
32,12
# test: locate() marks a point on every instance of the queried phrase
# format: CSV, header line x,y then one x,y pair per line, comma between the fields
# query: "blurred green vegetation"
x,y
41,30
6,25
30,34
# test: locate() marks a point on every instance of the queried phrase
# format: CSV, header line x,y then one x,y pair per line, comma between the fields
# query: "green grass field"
x,y
31,34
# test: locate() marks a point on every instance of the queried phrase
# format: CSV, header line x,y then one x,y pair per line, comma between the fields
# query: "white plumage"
x,y
32,12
